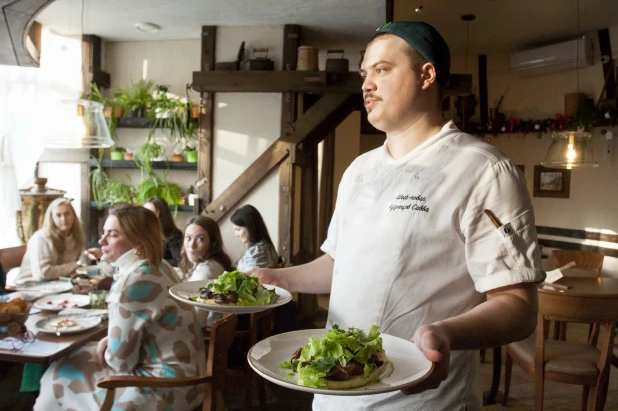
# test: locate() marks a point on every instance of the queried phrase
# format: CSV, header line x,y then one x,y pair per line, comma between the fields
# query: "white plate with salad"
x,y
271,358
232,292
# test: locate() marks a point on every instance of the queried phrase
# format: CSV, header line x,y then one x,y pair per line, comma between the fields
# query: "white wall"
x,y
593,202
245,123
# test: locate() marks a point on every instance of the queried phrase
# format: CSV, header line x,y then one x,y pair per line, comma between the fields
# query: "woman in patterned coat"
x,y
149,333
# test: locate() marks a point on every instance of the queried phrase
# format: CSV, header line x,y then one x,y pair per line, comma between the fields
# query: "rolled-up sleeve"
x,y
509,254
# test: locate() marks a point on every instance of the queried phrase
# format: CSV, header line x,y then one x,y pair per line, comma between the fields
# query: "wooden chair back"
x,y
584,260
222,334
569,307
12,257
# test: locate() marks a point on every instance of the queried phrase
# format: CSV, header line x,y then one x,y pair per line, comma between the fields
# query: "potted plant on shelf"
x,y
117,153
128,155
154,186
117,192
191,142
137,99
192,195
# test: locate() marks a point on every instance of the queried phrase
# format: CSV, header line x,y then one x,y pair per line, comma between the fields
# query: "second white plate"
x,y
59,302
183,291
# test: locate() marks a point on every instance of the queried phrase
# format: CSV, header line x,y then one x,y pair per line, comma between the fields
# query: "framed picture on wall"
x,y
551,182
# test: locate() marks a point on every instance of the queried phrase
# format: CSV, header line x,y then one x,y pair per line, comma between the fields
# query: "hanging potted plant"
x,y
144,156
117,153
98,181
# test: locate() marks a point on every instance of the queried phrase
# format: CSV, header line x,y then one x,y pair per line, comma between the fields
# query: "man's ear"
x,y
428,75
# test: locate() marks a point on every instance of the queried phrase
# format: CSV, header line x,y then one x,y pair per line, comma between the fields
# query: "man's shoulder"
x,y
474,147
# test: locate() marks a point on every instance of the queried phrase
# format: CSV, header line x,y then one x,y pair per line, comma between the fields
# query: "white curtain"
x,y
24,107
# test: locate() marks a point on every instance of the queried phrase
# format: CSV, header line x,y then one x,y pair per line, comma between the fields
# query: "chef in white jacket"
x,y
409,247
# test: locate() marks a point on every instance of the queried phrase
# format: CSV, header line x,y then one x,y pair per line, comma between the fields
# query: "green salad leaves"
x,y
247,287
336,347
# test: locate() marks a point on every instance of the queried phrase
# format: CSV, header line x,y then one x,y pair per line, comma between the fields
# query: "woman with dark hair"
x,y
250,228
204,258
149,332
172,236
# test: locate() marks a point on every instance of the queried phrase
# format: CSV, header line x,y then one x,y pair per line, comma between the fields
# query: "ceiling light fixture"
x,y
419,8
147,27
572,149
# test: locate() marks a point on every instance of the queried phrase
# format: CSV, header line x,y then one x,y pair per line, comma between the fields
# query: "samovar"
x,y
34,203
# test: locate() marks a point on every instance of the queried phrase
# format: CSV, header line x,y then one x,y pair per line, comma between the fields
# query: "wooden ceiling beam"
x,y
313,126
299,82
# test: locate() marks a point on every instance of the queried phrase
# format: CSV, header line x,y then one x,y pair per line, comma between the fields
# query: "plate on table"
x,y
45,286
183,291
408,365
59,302
67,324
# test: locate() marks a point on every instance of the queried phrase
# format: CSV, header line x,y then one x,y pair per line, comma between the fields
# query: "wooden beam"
x,y
483,104
291,40
318,121
91,63
608,64
277,82
16,16
325,207
206,119
389,11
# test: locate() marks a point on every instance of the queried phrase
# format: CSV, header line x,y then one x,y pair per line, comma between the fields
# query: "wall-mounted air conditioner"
x,y
550,59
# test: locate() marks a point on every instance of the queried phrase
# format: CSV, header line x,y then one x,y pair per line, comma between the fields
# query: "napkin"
x,y
86,311
553,275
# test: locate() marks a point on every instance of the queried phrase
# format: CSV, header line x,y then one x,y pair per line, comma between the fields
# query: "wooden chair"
x,y
12,257
584,260
222,335
566,361
260,327
591,261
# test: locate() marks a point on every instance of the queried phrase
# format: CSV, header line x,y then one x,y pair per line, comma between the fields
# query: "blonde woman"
x,y
54,250
149,332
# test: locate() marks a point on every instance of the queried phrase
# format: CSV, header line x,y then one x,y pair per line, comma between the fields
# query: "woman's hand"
x,y
271,276
93,253
101,348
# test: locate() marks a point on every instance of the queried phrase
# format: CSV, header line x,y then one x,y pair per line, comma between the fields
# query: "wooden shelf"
x,y
93,204
299,82
133,122
156,165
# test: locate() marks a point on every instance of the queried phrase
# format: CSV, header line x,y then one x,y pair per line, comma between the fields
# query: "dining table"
x,y
591,287
46,347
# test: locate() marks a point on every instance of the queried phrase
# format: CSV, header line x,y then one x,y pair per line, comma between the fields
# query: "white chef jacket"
x,y
412,246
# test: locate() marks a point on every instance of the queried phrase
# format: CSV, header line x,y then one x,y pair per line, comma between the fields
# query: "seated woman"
x,y
54,250
250,228
172,236
204,258
149,332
